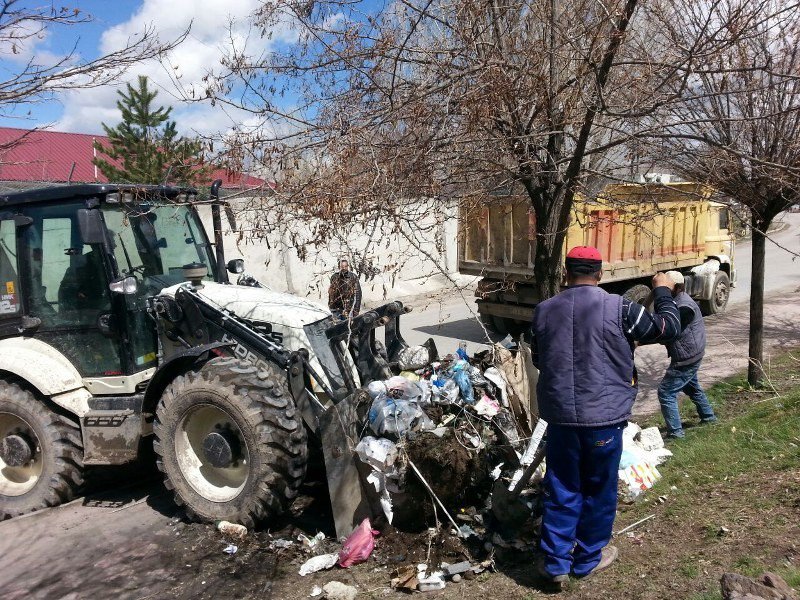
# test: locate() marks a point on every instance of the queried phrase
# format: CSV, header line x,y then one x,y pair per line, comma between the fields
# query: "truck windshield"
x,y
153,242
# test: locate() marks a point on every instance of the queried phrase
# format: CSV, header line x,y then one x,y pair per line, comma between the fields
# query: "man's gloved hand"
x,y
663,280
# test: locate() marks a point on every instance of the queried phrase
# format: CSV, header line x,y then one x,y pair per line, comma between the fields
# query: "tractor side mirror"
x,y
125,285
91,225
236,266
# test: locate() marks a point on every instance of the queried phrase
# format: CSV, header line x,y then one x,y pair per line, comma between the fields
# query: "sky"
x,y
113,23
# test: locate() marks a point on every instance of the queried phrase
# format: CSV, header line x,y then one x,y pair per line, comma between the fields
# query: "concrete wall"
x,y
280,254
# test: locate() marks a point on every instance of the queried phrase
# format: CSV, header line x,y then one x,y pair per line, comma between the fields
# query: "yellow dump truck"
x,y
639,229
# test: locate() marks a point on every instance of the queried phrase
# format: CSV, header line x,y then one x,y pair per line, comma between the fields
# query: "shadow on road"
x,y
463,329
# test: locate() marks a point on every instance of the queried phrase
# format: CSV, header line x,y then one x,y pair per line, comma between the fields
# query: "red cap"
x,y
585,253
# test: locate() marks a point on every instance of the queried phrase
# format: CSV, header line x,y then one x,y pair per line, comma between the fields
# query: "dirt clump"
x,y
458,475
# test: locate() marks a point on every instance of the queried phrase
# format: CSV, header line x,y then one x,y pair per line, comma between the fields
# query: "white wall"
x,y
417,262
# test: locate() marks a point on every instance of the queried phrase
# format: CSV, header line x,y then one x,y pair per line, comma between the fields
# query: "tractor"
x,y
120,328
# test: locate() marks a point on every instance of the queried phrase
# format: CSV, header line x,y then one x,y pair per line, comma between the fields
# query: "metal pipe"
x,y
216,220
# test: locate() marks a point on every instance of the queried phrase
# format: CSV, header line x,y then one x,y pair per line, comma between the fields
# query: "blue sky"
x,y
113,23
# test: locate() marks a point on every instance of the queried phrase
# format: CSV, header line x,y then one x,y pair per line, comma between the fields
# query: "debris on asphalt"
x,y
450,457
234,529
321,562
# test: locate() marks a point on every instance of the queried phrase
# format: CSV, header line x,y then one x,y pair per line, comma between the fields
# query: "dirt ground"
x,y
130,543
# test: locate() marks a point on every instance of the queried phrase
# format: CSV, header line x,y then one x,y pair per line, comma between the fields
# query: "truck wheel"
x,y
41,454
230,443
720,294
637,293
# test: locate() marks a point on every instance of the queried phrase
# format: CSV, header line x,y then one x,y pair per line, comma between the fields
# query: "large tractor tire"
x,y
230,442
41,454
720,294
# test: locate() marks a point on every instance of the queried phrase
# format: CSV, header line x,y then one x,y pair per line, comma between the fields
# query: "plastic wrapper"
x,y
391,416
357,548
461,377
413,357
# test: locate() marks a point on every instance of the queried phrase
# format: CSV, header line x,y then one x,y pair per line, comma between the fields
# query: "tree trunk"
x,y
547,269
755,370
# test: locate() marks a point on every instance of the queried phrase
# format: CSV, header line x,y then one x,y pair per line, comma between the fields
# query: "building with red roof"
x,y
34,156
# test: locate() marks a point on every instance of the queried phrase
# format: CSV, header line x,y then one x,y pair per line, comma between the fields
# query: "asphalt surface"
x,y
126,542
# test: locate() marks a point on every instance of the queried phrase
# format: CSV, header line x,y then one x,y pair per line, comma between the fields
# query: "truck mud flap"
x,y
111,437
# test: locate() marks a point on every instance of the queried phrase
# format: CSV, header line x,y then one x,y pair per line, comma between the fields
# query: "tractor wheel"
x,y
719,295
41,454
230,442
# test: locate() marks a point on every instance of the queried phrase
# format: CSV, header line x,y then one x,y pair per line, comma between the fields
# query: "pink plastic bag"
x,y
358,546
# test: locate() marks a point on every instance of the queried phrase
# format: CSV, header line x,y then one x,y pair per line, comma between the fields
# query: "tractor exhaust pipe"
x,y
216,219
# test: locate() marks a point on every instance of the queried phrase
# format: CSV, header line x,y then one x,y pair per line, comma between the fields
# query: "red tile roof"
x,y
48,156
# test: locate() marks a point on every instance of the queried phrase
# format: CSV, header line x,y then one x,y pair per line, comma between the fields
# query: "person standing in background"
x,y
344,293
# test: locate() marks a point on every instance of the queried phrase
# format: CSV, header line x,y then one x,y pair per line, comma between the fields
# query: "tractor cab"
x,y
65,251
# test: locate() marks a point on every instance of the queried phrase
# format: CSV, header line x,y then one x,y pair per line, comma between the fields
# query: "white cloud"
x,y
213,26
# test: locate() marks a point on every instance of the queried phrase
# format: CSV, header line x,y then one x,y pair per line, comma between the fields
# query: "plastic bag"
x,y
444,391
413,357
376,388
379,453
393,416
461,377
358,546
401,388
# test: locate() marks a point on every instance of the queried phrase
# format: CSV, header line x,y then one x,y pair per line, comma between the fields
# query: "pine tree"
x,y
145,146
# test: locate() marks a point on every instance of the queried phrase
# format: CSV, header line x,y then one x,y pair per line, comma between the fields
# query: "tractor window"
x,y
9,283
66,286
154,242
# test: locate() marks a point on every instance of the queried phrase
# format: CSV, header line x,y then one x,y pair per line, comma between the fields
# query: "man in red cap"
x,y
583,343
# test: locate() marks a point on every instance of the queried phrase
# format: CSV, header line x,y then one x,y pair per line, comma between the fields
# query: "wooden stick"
x,y
629,527
435,497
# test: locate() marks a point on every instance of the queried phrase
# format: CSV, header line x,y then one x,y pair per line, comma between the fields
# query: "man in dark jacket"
x,y
344,294
583,342
686,354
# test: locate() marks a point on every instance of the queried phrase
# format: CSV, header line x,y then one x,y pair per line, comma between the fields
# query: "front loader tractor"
x,y
119,327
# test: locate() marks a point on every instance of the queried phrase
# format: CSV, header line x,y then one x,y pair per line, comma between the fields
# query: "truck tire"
x,y
720,294
41,454
230,442
638,293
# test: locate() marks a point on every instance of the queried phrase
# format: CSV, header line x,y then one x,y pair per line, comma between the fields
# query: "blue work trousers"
x,y
682,379
580,496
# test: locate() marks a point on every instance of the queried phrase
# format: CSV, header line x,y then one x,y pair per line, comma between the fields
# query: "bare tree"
x,y
28,79
737,127
362,111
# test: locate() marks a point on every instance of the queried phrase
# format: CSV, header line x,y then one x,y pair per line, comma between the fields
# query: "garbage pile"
x,y
444,431
452,457
642,451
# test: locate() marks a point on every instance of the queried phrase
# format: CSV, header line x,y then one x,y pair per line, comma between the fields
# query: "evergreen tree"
x,y
145,147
